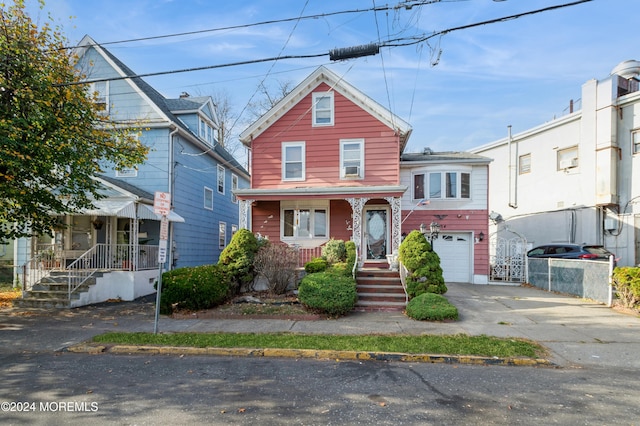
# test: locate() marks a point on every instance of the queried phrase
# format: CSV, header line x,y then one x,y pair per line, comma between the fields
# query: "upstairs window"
x,y
322,109
206,131
635,139
442,185
221,179
568,158
352,158
293,161
99,92
208,198
234,186
524,164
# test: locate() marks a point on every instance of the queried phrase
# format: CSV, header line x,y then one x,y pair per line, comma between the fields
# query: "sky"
x,y
458,90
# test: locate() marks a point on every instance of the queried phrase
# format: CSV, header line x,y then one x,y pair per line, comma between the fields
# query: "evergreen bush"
x,y
431,307
193,288
334,251
425,273
328,292
237,260
627,284
317,264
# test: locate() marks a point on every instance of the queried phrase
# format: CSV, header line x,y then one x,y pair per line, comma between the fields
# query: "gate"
x,y
507,257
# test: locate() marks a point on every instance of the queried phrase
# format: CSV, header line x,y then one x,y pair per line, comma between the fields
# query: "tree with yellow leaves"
x,y
53,137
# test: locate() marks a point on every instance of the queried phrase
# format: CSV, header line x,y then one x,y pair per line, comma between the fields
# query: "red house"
x,y
325,162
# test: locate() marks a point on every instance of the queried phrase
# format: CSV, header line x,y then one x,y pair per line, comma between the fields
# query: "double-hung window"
x,y
220,179
636,141
99,92
206,132
293,161
351,158
234,186
222,235
208,198
322,109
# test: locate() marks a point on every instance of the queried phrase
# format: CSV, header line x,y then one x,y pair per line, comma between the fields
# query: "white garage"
x,y
455,251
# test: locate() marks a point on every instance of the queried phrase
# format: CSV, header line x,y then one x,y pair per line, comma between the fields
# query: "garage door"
x,y
454,250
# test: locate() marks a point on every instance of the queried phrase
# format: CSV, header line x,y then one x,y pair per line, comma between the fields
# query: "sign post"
x,y
161,206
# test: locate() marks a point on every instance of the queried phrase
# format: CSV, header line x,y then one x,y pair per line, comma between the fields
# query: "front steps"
x,y
379,290
52,292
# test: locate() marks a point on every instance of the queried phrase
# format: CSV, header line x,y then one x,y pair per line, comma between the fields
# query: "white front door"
x,y
376,232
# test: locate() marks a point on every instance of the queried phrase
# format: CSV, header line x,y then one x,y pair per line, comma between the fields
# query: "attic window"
x,y
322,110
99,93
205,131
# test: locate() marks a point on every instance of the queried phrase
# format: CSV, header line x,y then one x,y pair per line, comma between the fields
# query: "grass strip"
x,y
457,344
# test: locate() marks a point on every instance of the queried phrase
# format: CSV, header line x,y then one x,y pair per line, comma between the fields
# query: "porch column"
x,y
245,205
357,204
396,222
134,247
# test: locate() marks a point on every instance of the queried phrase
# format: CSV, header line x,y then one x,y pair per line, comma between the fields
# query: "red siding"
x,y
322,145
475,221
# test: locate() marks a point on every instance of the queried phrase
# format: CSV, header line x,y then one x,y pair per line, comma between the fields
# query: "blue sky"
x,y
459,90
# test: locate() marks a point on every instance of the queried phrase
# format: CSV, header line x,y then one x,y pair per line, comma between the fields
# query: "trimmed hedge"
x,y
316,264
328,292
431,307
425,273
193,288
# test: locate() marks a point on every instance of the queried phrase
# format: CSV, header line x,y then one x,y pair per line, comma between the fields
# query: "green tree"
x,y
53,137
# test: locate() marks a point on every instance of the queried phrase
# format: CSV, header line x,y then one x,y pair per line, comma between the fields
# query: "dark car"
x,y
571,251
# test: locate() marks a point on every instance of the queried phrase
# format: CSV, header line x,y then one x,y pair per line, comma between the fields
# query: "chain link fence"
x,y
582,278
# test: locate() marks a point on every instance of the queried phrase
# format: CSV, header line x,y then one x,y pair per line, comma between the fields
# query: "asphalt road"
x,y
65,388
40,383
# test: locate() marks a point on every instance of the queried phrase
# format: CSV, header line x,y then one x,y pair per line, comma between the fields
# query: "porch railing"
x,y
100,257
306,254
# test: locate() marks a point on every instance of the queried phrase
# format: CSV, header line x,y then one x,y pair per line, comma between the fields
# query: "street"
x,y
66,388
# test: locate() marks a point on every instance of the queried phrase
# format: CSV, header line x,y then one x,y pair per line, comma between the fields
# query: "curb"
x,y
92,348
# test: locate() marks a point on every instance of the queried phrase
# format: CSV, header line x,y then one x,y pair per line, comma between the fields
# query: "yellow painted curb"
x,y
307,353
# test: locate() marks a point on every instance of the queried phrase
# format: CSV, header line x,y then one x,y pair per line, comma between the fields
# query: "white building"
x,y
572,179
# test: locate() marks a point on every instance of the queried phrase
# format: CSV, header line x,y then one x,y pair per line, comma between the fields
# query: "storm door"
x,y
376,233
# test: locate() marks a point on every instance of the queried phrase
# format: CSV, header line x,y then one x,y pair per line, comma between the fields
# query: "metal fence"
x,y
583,278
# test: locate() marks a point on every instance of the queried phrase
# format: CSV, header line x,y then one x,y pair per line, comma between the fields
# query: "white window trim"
x,y
343,142
222,235
105,95
127,173
220,171
206,131
314,98
312,206
207,189
635,141
443,184
234,185
286,145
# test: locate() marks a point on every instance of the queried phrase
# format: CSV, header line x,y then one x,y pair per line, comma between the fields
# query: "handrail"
x,y
354,270
403,279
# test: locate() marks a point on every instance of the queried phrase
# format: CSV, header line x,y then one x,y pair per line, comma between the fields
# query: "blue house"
x,y
97,251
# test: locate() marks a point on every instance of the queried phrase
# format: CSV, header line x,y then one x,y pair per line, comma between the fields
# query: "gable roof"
x,y
338,84
166,107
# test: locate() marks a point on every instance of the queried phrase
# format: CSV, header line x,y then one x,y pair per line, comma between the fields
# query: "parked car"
x,y
571,251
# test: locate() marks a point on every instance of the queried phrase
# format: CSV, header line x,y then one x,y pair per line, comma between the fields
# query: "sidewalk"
x,y
577,332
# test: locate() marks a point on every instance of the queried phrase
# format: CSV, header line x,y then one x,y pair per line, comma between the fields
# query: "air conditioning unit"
x,y
569,163
351,171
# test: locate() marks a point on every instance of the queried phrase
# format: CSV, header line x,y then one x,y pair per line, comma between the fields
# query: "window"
x,y
205,131
636,141
234,186
293,161
234,229
304,223
208,198
451,184
99,92
568,158
221,179
222,236
351,158
418,187
125,173
322,109
524,164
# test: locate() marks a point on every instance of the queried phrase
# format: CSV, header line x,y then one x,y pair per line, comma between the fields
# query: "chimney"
x,y
184,95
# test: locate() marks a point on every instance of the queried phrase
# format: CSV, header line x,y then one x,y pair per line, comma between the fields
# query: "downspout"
x,y
170,188
513,170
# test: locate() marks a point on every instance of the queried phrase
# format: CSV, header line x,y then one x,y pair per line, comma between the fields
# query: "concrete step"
x,y
50,294
41,303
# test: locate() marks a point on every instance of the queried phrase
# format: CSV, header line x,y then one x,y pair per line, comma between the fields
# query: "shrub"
x,y
277,263
627,283
425,273
316,264
334,251
431,307
331,293
350,247
237,260
193,288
